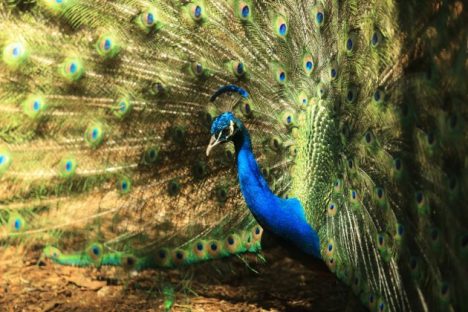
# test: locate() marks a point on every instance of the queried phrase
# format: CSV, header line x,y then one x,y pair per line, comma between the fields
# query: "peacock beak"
x,y
213,142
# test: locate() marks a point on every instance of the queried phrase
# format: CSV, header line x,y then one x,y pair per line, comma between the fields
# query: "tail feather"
x,y
356,108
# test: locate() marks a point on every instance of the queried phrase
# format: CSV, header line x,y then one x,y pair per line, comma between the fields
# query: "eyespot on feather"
x,y
15,54
280,26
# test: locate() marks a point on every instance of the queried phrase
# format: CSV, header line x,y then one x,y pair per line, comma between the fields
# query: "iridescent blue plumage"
x,y
353,111
230,88
284,217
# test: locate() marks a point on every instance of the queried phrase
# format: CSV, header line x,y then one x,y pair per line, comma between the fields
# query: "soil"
x,y
277,284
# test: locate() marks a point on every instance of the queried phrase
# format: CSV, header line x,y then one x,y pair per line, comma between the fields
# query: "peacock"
x,y
336,126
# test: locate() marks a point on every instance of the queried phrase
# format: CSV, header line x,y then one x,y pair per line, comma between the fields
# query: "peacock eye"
x,y
225,132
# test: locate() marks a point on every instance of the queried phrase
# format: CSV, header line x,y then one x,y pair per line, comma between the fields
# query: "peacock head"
x,y
223,129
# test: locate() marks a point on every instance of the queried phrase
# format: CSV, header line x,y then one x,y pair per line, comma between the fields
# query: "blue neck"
x,y
283,217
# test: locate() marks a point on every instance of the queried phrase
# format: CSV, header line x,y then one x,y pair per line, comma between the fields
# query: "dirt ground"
x,y
279,284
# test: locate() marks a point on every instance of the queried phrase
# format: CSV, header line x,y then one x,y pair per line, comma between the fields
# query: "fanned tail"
x,y
356,108
384,158
105,119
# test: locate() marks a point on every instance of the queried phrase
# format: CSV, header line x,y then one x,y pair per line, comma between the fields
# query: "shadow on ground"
x,y
280,284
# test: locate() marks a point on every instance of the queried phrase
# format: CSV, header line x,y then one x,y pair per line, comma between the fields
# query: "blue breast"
x,y
284,217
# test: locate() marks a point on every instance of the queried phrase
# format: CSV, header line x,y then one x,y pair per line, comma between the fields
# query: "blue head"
x,y
223,129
